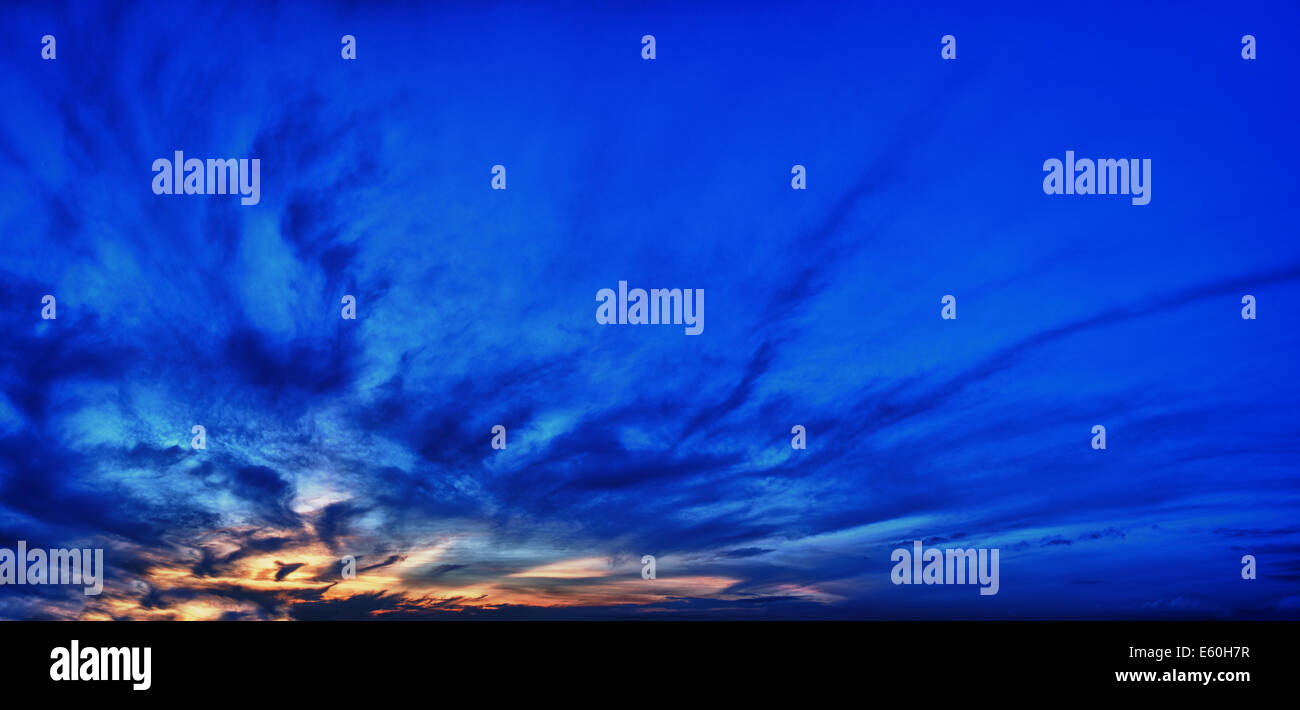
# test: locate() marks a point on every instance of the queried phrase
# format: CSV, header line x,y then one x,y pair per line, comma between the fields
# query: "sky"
x,y
475,307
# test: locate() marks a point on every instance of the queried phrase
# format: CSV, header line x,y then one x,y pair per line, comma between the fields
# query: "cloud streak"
x,y
370,438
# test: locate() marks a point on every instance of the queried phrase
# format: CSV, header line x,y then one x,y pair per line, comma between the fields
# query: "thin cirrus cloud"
x,y
369,438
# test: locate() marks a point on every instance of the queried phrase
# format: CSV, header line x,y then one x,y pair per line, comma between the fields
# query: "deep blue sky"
x,y
476,307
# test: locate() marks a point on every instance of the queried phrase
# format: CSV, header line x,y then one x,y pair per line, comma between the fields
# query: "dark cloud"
x,y
369,438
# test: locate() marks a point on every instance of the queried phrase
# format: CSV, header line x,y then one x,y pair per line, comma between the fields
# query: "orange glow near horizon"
x,y
247,586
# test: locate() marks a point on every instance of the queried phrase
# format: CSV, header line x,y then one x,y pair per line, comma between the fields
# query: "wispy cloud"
x,y
329,438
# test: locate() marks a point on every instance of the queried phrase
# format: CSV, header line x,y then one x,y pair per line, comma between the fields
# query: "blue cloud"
x,y
476,307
